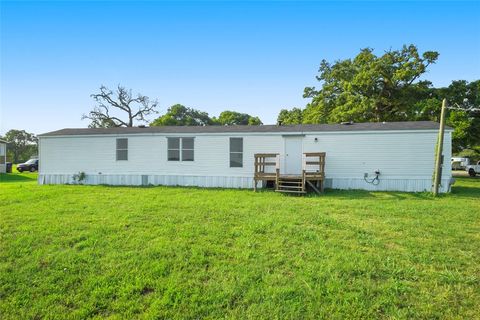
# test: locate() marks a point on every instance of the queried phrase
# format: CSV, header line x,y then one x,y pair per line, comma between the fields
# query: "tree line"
x,y
366,88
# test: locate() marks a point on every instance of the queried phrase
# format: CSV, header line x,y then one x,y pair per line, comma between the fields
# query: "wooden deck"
x,y
267,168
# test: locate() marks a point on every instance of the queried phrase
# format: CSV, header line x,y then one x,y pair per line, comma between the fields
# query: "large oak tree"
x,y
368,87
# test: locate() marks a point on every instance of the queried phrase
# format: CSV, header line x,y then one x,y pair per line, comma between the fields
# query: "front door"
x,y
293,155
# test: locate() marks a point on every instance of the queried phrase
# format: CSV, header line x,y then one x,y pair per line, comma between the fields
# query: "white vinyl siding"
x,y
122,149
147,155
236,152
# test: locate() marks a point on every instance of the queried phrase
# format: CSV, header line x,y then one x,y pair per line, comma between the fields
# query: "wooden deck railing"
x,y
313,169
264,161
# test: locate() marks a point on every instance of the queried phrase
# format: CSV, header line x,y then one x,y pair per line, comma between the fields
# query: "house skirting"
x,y
386,184
145,180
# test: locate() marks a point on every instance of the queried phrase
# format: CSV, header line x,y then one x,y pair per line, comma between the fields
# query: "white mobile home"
x,y
3,156
402,153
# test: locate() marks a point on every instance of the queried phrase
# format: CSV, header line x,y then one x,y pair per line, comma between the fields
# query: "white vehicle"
x,y
460,163
473,170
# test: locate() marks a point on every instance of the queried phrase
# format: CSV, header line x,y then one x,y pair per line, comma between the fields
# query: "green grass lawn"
x,y
162,252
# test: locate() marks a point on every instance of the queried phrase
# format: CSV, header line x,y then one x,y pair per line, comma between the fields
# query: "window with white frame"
x,y
180,149
122,149
187,149
236,152
173,149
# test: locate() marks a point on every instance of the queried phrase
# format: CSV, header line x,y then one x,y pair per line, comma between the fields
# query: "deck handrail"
x,y
261,163
320,161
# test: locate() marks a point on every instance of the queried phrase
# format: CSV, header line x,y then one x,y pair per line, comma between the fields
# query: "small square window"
x,y
236,144
187,155
236,160
173,143
122,154
122,143
173,155
187,143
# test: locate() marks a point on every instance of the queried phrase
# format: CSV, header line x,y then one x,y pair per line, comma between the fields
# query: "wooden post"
x,y
438,159
277,171
255,173
304,171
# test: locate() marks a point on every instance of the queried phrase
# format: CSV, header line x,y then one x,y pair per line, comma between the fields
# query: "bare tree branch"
x,y
471,109
122,100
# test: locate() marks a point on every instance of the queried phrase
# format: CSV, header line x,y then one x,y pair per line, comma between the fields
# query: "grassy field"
x,y
162,252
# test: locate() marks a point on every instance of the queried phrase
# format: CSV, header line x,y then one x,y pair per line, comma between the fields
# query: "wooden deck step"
x,y
289,187
291,191
290,184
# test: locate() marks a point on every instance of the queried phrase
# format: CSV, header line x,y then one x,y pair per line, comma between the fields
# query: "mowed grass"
x,y
163,252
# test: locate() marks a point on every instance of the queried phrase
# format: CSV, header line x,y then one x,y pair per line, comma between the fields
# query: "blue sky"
x,y
253,57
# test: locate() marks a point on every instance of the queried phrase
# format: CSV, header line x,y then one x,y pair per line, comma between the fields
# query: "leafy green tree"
x,y
110,104
463,113
21,145
179,115
236,118
293,116
462,124
368,87
254,121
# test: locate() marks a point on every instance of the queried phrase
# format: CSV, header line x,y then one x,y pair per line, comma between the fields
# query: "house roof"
x,y
367,126
3,141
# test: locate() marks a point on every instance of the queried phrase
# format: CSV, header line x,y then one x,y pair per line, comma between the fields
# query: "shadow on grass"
x,y
457,192
466,188
13,177
377,195
464,191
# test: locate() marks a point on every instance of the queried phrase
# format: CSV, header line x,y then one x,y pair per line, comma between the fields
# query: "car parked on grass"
x,y
473,170
31,165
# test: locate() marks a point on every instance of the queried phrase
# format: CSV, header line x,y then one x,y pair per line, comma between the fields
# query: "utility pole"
x,y
438,160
